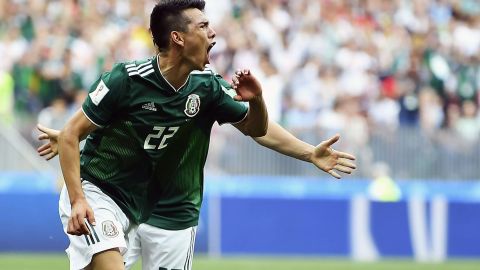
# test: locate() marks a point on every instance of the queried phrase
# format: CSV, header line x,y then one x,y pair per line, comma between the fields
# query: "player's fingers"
x,y
83,227
91,217
71,227
237,98
346,163
332,140
50,156
244,76
239,72
75,225
42,136
79,224
41,128
235,81
45,129
345,155
343,169
334,174
43,147
45,152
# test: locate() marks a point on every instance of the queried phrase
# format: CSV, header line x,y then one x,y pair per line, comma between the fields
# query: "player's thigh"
x,y
166,249
109,233
107,260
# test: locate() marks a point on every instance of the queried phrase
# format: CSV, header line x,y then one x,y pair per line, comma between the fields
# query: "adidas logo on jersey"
x,y
149,106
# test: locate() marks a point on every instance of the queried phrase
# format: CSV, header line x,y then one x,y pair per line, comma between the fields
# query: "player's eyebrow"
x,y
204,23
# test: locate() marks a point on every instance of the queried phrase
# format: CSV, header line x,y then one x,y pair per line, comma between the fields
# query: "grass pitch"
x,y
60,262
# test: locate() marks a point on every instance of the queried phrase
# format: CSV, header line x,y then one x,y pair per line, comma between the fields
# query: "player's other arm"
x,y
323,156
255,124
49,149
68,148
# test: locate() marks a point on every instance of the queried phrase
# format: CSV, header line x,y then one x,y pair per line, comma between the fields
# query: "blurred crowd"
x,y
363,68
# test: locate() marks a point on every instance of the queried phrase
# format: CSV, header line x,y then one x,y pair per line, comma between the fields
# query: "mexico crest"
x,y
192,106
109,229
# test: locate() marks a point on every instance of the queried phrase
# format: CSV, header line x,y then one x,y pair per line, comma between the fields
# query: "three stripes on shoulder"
x,y
146,68
141,70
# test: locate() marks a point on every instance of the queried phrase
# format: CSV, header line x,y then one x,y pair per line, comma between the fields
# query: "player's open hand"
x,y
81,210
246,85
50,148
332,161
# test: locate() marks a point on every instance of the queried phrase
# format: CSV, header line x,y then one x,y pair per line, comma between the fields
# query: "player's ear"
x,y
177,38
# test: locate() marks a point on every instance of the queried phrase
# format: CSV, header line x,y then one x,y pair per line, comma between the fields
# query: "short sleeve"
x,y
105,96
227,110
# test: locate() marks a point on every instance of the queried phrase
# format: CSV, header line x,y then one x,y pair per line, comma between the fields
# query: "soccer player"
x,y
147,127
152,148
165,248
162,248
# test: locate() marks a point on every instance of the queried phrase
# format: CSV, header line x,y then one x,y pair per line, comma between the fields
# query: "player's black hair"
x,y
167,17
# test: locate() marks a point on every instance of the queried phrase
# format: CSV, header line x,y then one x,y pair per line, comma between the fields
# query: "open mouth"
x,y
211,46
209,49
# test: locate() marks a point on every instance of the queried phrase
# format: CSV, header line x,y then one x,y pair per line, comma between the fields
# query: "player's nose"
x,y
211,33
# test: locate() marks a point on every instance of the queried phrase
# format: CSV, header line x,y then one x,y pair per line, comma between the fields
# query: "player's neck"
x,y
173,70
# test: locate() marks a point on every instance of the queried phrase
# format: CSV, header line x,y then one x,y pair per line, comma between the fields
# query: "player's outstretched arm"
x,y
49,149
249,89
68,148
323,156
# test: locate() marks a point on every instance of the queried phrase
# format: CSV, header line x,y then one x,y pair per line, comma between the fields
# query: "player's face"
x,y
198,39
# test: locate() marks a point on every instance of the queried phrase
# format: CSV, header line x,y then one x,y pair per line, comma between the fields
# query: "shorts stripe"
x,y
94,232
91,238
194,233
86,238
187,264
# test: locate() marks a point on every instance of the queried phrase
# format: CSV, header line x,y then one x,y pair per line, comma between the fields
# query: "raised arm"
x,y
277,138
255,124
68,148
323,156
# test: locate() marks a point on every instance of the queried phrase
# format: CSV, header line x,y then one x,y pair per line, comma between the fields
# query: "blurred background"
x,y
399,80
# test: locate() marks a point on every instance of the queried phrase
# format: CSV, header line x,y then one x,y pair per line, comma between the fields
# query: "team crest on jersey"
x,y
109,229
192,106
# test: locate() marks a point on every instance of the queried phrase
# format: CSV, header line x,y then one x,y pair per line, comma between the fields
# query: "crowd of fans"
x,y
362,68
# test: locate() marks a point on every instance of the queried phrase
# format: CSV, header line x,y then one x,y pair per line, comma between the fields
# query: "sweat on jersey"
x,y
151,149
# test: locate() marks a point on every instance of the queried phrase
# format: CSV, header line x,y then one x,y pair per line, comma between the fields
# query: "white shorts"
x,y
110,231
161,249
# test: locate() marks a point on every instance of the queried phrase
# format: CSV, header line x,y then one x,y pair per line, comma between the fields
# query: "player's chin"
x,y
204,66
207,61
200,67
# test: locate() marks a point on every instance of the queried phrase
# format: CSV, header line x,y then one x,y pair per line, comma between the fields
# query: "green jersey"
x,y
152,147
162,214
